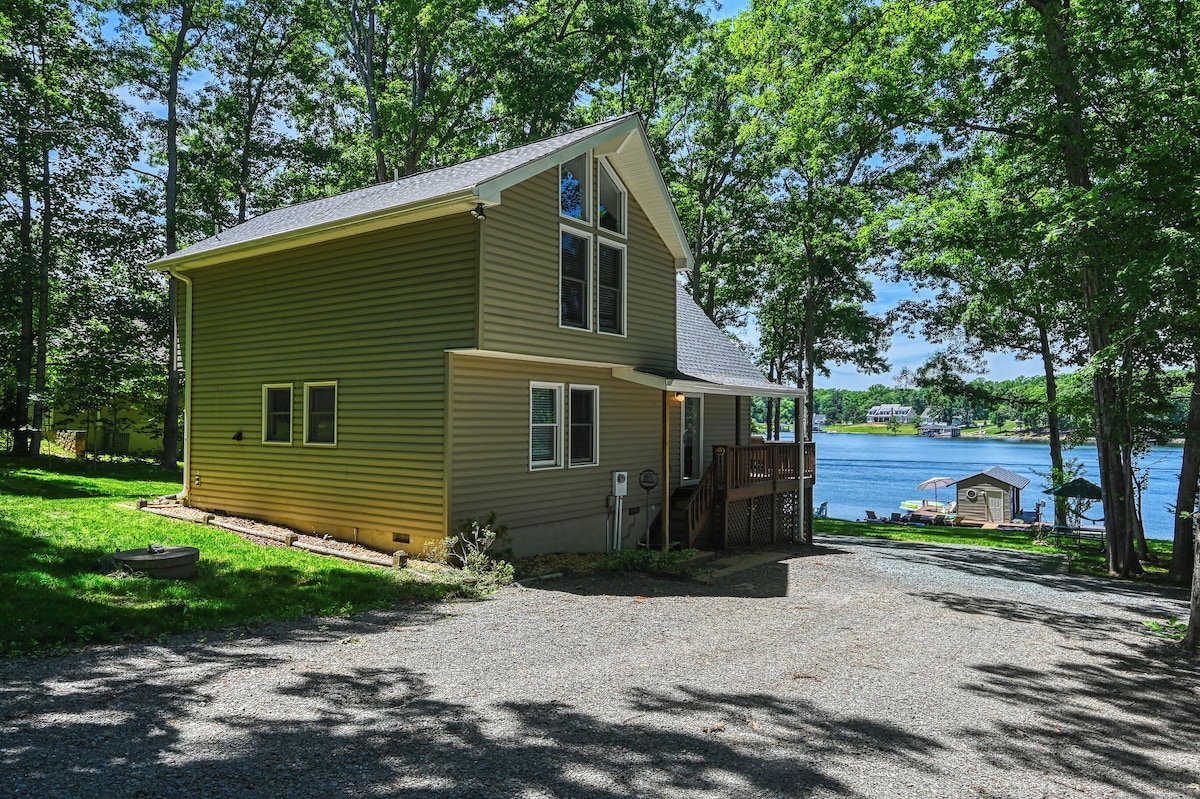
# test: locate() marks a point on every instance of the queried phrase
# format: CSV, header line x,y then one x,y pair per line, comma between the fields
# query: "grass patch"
x,y
1088,560
61,521
877,428
1006,539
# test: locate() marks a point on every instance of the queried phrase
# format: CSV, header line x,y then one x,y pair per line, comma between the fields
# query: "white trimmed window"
x,y
574,279
610,289
612,214
545,425
277,413
574,189
320,413
585,425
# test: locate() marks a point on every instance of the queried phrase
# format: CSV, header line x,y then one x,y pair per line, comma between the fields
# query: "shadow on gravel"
x,y
749,574
1012,566
1123,714
322,731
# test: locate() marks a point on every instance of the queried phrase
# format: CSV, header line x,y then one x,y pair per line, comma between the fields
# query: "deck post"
x,y
724,493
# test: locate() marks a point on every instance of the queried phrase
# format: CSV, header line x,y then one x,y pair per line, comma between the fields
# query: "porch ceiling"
x,y
702,384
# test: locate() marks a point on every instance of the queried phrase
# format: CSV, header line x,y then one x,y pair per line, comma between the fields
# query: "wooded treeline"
x,y
1031,165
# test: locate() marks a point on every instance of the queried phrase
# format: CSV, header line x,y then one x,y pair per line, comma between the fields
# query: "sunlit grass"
x,y
879,428
61,521
1088,559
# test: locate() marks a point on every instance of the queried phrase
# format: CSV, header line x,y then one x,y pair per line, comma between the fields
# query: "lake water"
x,y
858,471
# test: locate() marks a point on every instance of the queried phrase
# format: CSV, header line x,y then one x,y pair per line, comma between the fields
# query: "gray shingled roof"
x,y
1003,475
409,190
704,352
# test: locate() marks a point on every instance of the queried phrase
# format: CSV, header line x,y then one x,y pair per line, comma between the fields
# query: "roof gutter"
x,y
187,386
364,223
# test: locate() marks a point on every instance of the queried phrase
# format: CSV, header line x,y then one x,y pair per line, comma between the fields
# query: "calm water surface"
x,y
857,471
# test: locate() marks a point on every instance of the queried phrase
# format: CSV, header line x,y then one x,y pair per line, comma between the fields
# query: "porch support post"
x,y
666,471
799,426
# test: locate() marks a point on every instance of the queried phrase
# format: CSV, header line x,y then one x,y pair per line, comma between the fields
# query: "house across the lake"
x,y
904,414
505,335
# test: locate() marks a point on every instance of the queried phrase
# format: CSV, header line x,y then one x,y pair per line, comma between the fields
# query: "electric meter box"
x,y
620,484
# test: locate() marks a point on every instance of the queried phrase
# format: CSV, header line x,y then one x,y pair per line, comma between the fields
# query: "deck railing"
x,y
746,472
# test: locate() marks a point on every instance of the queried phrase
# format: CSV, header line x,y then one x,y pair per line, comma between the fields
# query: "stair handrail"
x,y
700,504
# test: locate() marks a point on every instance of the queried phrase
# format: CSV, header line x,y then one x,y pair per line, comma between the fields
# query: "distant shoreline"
x,y
1005,436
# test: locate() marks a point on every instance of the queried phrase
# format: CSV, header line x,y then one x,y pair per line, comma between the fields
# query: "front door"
x,y
691,450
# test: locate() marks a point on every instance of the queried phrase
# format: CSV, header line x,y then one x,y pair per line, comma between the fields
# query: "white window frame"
x,y
616,245
321,384
557,463
588,189
291,390
595,461
589,282
612,173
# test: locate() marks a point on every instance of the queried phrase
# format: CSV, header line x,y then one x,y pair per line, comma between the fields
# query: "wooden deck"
x,y
749,495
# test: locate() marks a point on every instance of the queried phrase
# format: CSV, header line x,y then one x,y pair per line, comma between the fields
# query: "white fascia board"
x,y
489,191
462,201
516,356
684,256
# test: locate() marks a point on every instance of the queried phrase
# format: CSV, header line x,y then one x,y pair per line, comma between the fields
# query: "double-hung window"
x,y
277,413
320,414
545,425
585,428
610,289
574,279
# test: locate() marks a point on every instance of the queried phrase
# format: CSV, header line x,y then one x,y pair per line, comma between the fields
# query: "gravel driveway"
x,y
855,668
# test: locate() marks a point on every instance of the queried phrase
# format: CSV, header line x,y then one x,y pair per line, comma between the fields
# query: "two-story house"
x,y
498,336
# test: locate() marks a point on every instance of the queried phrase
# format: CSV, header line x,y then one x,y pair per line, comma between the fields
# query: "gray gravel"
x,y
857,668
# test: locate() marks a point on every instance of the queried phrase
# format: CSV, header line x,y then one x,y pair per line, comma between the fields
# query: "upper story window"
x,y
277,413
320,413
612,200
610,289
574,280
574,190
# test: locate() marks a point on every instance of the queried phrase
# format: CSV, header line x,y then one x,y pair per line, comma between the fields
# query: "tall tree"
x,y
66,139
160,44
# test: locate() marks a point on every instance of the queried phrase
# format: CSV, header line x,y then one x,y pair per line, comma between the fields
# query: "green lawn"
x,y
1088,560
879,428
60,522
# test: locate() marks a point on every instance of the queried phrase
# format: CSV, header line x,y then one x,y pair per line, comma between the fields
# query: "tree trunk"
x,y
1192,639
1182,558
1114,479
1057,471
24,365
43,307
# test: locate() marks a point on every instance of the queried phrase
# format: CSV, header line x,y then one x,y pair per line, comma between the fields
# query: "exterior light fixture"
x,y
478,212
679,396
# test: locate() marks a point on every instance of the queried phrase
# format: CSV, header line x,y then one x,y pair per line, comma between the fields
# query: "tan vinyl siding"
x,y
520,309
374,313
546,510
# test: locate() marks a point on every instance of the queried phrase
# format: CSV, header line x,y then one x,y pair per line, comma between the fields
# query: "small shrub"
x,y
651,561
471,549
1172,629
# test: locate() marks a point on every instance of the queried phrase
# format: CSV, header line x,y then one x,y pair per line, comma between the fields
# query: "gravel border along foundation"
x,y
857,668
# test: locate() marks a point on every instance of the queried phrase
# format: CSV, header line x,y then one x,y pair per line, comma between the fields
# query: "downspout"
x,y
187,386
666,470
